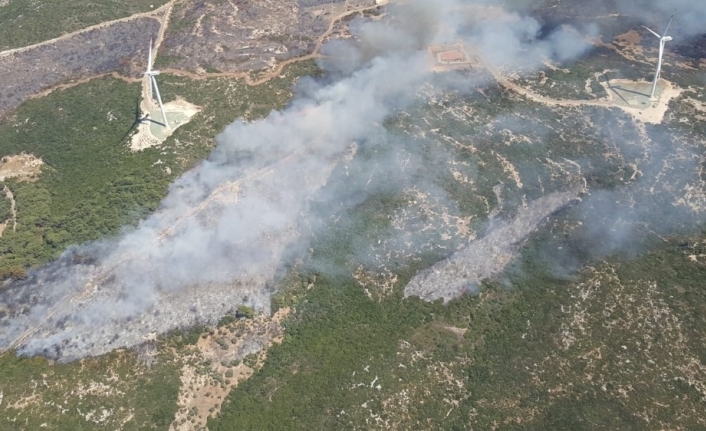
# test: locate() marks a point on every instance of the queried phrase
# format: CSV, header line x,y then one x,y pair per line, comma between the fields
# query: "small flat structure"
x,y
634,97
151,131
633,94
175,118
451,57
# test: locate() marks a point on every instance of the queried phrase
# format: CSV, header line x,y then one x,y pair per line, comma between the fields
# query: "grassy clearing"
x,y
26,22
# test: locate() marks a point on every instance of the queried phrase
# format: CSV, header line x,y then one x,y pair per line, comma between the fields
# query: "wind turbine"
x,y
662,40
152,82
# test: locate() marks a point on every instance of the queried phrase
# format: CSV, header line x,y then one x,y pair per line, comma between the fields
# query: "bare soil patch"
x,y
22,166
624,94
627,45
633,98
13,211
98,51
632,37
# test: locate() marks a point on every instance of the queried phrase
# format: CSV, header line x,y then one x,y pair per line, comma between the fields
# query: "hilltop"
x,y
345,234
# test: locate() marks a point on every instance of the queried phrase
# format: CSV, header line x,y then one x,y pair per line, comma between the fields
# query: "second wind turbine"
x,y
662,40
152,83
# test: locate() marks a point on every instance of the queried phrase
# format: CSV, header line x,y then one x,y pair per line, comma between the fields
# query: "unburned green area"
x,y
567,338
527,357
92,184
115,391
609,349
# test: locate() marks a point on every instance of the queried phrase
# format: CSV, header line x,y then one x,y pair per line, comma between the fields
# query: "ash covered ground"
x,y
243,36
28,71
487,256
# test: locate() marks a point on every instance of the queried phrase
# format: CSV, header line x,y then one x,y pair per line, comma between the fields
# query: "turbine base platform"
x,y
159,130
633,97
152,131
634,94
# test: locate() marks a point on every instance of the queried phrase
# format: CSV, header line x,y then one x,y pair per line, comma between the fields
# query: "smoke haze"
x,y
221,233
689,19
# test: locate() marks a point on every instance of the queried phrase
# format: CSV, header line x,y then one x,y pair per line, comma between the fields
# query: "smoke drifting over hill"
x,y
233,217
689,19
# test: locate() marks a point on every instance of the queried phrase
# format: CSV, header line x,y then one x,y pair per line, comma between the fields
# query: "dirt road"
x,y
277,71
150,14
165,12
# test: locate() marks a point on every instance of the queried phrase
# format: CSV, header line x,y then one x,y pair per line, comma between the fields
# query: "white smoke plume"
x,y
220,234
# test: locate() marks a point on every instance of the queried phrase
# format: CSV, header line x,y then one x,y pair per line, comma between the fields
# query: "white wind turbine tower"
x,y
152,82
662,40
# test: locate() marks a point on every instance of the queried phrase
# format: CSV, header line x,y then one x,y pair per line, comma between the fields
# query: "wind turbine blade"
x,y
668,24
159,100
653,32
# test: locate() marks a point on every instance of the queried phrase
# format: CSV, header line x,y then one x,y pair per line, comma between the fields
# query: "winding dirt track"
x,y
165,12
653,114
277,71
504,82
232,187
70,84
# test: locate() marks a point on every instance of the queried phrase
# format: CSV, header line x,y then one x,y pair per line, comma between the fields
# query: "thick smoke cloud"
x,y
514,40
232,218
689,19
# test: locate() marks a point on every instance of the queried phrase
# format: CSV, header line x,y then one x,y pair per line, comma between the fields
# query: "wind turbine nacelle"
x,y
152,72
667,38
